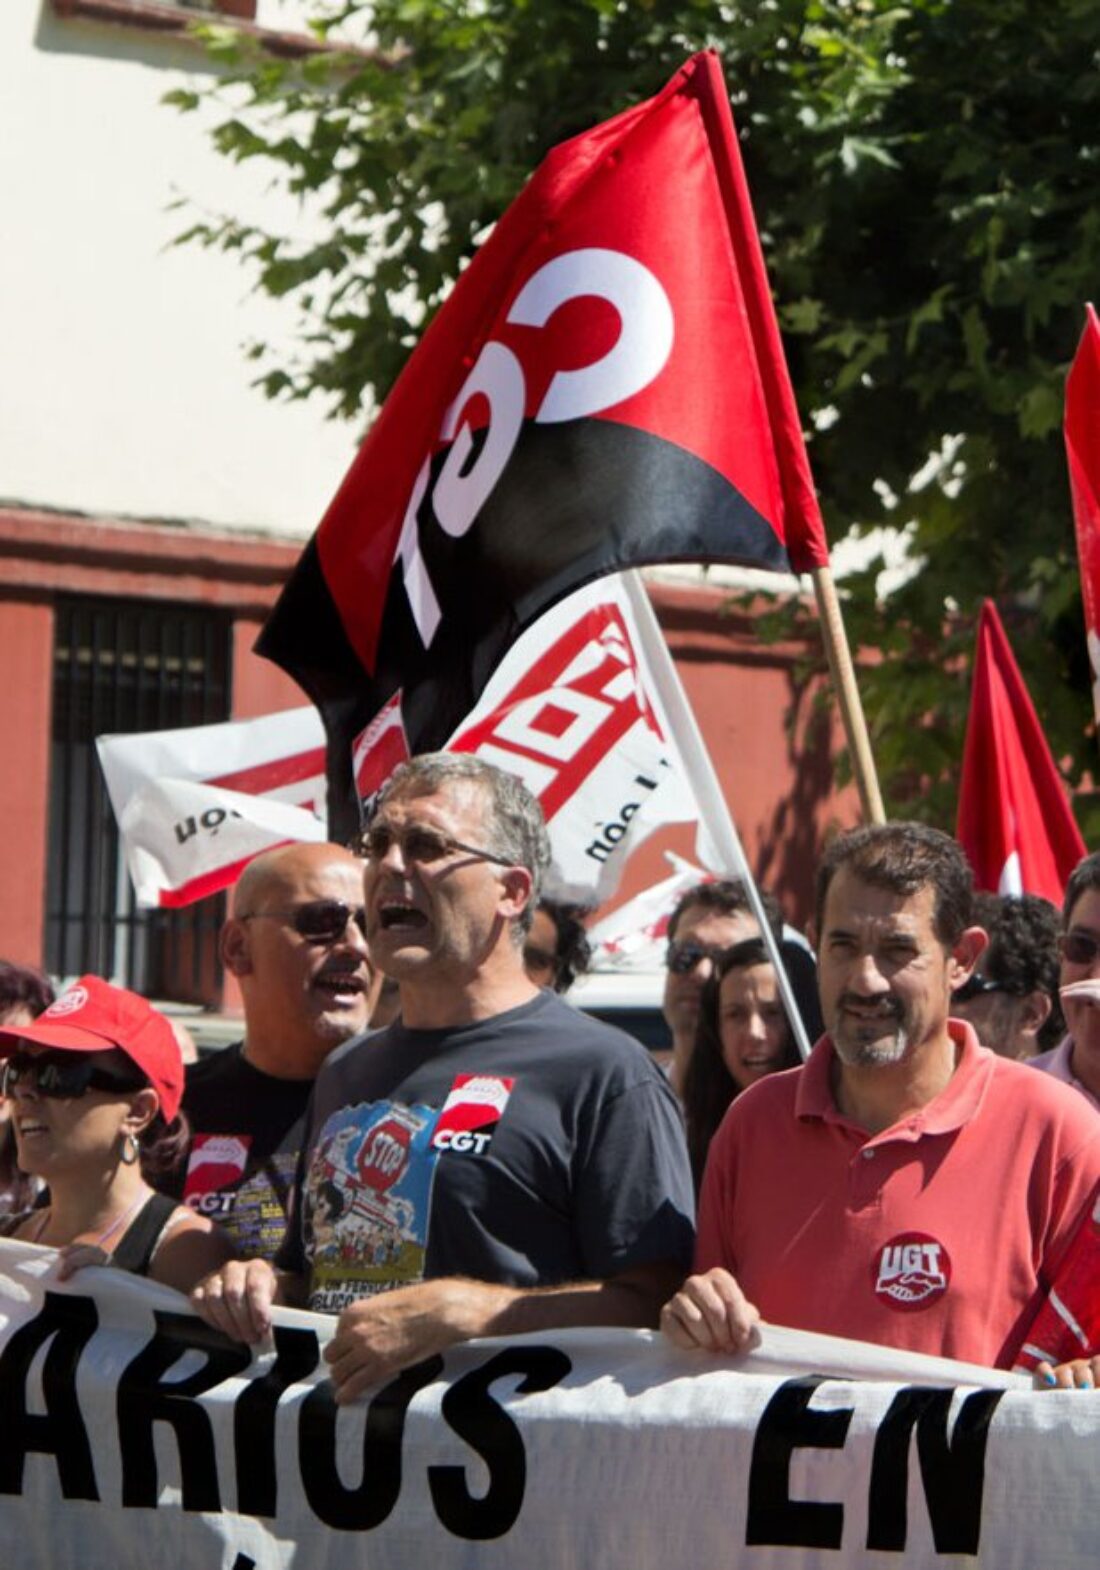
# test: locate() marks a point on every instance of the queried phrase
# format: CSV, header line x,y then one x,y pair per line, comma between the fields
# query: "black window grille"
x,y
124,666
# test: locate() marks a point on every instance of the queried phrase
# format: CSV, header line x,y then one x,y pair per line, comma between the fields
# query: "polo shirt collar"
x,y
952,1109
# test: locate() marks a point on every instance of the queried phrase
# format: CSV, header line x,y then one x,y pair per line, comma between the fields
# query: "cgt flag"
x,y
1015,822
1082,432
605,387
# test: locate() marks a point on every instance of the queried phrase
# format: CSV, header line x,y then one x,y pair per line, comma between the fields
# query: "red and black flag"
x,y
604,387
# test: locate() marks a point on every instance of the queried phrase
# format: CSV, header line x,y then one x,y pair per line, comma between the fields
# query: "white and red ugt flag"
x,y
604,387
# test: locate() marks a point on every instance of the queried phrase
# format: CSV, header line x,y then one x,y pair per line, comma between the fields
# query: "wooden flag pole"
x,y
844,683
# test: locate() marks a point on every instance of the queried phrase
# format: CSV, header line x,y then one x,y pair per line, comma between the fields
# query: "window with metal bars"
x,y
124,666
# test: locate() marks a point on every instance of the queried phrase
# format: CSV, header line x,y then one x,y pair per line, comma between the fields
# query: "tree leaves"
x,y
924,180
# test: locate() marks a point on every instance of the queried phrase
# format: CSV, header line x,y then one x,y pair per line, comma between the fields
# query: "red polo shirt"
x,y
939,1234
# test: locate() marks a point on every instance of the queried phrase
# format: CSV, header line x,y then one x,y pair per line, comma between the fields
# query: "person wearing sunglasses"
x,y
492,1163
94,1084
707,920
1011,998
1076,1059
296,945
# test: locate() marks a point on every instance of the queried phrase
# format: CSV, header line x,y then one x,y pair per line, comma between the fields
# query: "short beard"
x,y
882,1052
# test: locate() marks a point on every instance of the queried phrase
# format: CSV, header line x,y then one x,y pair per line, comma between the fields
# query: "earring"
x,y
130,1151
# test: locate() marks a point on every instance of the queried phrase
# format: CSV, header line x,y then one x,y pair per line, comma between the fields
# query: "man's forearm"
x,y
634,1298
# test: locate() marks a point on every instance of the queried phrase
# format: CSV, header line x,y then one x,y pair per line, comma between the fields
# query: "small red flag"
x,y
1015,822
1082,430
604,387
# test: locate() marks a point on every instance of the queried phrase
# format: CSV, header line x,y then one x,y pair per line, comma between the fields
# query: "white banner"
x,y
193,806
134,1436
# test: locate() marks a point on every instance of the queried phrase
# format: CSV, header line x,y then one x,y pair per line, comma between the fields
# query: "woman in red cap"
x,y
95,1085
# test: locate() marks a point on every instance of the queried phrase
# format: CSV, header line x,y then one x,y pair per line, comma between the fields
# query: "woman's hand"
x,y
74,1257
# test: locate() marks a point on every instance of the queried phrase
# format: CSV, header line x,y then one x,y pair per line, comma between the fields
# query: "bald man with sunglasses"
x,y
493,1163
296,943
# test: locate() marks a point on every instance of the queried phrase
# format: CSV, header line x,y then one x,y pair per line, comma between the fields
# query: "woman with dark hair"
x,y
743,1034
95,1086
24,993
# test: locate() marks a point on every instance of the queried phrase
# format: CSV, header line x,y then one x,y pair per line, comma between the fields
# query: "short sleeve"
x,y
633,1198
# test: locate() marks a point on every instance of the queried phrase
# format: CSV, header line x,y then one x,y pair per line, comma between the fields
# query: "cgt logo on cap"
x,y
68,1003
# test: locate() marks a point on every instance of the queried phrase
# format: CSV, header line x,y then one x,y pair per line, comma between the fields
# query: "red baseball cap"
x,y
92,1016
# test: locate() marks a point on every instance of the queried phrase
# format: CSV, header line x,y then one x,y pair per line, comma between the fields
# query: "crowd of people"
x,y
465,1154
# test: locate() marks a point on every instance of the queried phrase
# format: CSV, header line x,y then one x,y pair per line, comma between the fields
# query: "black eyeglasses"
x,y
318,920
683,955
63,1076
976,986
1079,948
420,844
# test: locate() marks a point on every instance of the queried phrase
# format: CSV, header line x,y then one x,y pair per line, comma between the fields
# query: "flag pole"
x,y
713,807
844,684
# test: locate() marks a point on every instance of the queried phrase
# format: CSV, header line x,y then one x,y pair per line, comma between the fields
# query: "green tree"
x,y
923,175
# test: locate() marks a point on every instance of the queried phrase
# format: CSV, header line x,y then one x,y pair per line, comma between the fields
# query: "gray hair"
x,y
514,825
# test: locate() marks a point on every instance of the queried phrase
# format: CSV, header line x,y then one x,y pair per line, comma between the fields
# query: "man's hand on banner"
x,y
1081,1373
237,1299
711,1312
378,1336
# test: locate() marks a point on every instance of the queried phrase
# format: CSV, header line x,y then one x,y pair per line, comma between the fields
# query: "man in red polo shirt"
x,y
905,1186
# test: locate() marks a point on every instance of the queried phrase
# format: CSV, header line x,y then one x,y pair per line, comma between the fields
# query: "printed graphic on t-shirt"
x,y
912,1271
367,1201
252,1207
471,1113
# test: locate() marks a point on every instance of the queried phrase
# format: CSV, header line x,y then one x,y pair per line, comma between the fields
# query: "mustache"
x,y
890,1004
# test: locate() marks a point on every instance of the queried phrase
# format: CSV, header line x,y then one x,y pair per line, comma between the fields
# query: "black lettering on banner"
x,y
952,1471
362,1508
486,1427
144,1398
788,1425
70,1322
296,1356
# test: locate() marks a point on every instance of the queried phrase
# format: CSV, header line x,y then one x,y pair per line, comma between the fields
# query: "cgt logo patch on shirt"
x,y
912,1271
471,1112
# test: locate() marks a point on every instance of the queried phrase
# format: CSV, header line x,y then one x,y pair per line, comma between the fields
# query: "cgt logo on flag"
x,y
594,395
573,712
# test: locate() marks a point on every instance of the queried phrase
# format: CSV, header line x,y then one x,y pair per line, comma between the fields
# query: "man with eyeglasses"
x,y
1076,1060
707,920
493,1163
296,943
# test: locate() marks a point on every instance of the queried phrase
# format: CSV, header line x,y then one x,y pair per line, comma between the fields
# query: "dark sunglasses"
x,y
62,1076
318,921
975,987
681,957
1079,948
420,844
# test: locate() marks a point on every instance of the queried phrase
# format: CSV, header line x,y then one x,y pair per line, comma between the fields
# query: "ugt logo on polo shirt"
x,y
911,1271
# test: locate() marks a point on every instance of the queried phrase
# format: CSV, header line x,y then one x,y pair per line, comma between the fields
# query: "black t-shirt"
x,y
532,1148
246,1133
